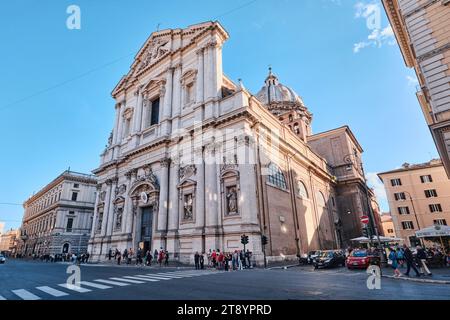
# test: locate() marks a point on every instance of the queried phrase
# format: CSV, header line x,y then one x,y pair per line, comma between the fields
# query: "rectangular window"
x,y
74,196
430,193
189,93
76,185
403,210
155,112
396,182
126,131
399,196
69,225
407,225
440,222
426,179
390,230
435,208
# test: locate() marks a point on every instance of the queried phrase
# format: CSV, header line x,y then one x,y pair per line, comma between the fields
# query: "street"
x,y
32,280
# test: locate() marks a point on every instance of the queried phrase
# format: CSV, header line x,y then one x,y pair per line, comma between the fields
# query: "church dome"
x,y
274,92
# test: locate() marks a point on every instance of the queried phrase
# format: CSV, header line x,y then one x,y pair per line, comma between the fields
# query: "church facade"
x,y
195,161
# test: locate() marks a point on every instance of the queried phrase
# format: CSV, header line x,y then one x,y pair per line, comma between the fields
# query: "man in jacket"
x,y
422,257
409,261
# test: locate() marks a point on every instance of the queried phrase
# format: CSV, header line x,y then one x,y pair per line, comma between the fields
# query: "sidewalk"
x,y
440,276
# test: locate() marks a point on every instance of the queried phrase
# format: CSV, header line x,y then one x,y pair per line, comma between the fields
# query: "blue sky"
x,y
56,109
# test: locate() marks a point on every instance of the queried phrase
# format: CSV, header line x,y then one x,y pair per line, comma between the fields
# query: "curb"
x,y
283,267
419,280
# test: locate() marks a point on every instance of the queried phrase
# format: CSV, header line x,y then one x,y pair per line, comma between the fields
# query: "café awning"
x,y
433,231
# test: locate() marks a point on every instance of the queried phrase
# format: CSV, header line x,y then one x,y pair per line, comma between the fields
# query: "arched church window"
x,y
276,176
320,199
302,192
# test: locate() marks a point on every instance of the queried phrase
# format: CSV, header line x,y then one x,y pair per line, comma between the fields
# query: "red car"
x,y
360,259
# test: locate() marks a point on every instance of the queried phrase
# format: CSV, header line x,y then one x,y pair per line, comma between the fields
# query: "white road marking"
x,y
52,292
164,275
127,280
115,283
74,288
143,279
153,277
25,295
95,285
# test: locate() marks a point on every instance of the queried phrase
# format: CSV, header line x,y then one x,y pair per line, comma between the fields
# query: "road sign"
x,y
365,219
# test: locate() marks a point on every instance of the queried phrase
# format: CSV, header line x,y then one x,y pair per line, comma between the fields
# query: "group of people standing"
x,y
221,260
399,256
141,259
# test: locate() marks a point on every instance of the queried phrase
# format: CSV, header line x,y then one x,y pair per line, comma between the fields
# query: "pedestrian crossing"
x,y
64,289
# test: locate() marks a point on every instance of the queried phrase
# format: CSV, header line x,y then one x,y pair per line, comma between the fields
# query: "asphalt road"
x,y
28,280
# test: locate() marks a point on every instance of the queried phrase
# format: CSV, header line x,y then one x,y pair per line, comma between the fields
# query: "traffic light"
x,y
365,232
264,240
244,239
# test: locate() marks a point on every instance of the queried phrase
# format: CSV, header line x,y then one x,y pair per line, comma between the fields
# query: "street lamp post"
x,y
348,159
414,212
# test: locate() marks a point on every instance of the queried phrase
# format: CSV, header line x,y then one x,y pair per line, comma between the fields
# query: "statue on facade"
x,y
232,200
188,203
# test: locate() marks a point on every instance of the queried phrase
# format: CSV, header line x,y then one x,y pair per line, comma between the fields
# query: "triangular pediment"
x,y
162,44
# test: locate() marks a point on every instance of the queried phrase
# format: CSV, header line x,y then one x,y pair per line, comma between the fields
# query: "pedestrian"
x,y
226,260
197,261
149,258
234,260
109,254
166,258
409,261
156,255
242,258
400,257
220,260
248,256
393,262
213,258
422,258
161,257
119,257
202,261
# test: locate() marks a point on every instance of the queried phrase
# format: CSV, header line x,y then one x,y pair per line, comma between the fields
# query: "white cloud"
x,y
378,36
412,81
364,10
378,187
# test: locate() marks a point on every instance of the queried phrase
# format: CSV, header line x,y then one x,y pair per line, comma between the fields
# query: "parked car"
x,y
2,259
329,259
312,255
361,259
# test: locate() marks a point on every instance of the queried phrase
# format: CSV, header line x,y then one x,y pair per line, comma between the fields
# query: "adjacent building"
x,y
8,241
195,160
388,225
422,29
419,197
58,218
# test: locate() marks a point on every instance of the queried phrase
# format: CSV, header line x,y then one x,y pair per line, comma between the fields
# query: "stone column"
x,y
200,191
116,124
94,218
107,215
200,77
137,111
176,103
120,125
146,104
173,223
167,107
248,201
212,197
129,203
163,196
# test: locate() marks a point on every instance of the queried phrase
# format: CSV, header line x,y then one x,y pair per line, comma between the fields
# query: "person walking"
x,y
156,255
202,261
119,257
166,258
161,257
197,261
409,261
422,257
400,258
393,262
213,258
109,254
149,258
